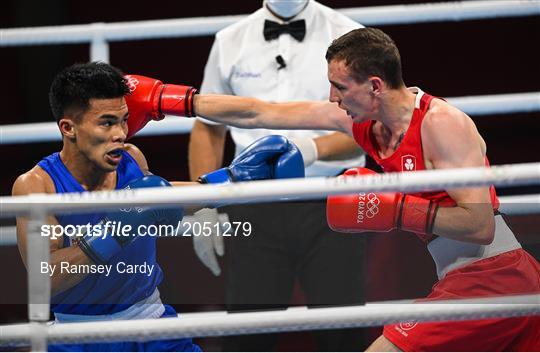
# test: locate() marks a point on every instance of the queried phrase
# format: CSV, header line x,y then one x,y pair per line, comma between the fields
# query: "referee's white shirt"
x,y
243,63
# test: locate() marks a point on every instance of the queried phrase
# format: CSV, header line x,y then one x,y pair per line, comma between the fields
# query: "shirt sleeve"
x,y
344,24
214,81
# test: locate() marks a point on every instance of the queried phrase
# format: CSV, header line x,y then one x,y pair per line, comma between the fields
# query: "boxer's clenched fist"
x,y
150,99
380,212
270,157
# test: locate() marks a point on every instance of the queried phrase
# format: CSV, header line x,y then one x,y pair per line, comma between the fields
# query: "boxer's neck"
x,y
396,109
89,176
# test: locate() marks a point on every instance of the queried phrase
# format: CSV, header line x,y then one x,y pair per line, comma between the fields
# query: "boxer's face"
x,y
356,98
101,132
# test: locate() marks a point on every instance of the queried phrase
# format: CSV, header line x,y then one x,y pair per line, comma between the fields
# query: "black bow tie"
x,y
297,29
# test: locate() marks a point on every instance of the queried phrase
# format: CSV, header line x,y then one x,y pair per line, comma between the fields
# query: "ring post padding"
x,y
37,252
38,336
99,47
39,284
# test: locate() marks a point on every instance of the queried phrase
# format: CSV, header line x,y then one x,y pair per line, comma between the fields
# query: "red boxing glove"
x,y
150,99
380,212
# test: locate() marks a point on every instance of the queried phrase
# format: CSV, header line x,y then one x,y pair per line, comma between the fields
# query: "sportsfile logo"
x,y
368,206
132,83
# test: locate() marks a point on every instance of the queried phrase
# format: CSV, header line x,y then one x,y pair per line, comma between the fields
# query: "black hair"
x,y
73,87
368,52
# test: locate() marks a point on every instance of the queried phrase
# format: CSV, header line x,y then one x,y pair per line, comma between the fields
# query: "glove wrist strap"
x,y
177,100
220,176
417,215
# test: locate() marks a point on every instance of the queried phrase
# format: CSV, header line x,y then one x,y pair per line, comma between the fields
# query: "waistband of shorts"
x,y
148,308
451,254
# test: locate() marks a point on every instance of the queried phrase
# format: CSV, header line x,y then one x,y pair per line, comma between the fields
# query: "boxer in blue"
x,y
88,103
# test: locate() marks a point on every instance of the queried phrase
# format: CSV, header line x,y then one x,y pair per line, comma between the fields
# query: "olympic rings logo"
x,y
368,206
132,83
137,209
372,205
408,325
129,209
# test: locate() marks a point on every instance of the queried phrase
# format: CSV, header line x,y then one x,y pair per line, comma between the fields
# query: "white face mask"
x,y
286,8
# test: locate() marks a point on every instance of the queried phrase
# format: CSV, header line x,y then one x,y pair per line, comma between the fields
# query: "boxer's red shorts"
x,y
513,272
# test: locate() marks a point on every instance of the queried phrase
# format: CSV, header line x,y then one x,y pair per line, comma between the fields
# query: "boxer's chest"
x,y
401,152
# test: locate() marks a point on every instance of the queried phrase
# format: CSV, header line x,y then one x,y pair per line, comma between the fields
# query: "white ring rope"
x,y
268,190
472,105
520,204
200,26
497,103
48,132
296,319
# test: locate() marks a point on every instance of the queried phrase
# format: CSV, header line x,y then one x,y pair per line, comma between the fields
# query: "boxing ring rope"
x,y
274,190
510,205
472,105
99,34
293,319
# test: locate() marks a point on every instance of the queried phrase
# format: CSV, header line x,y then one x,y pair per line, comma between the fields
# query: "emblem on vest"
x,y
408,163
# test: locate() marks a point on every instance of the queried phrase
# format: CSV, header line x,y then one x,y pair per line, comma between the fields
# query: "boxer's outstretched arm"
x,y
472,219
139,157
151,100
337,146
37,181
250,113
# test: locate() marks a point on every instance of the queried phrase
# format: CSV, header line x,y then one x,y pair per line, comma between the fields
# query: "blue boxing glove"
x,y
270,157
100,248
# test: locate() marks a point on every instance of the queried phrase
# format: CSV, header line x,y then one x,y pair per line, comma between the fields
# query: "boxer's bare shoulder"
x,y
383,344
450,138
36,180
441,113
139,157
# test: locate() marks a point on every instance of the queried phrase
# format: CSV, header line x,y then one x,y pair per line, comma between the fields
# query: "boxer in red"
x,y
405,129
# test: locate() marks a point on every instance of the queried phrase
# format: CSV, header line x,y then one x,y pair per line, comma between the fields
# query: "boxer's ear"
x,y
376,85
67,127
